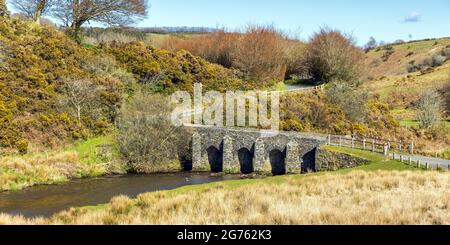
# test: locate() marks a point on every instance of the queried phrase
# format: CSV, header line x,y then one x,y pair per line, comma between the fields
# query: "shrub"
x,y
438,60
22,146
429,108
294,53
446,52
257,52
166,71
389,51
147,139
259,55
332,55
350,100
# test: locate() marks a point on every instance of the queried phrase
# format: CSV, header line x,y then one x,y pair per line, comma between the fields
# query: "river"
x,y
47,200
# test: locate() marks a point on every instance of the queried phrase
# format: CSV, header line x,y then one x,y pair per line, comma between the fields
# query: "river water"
x,y
47,200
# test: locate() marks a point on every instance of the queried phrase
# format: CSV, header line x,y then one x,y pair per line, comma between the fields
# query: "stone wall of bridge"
x,y
234,150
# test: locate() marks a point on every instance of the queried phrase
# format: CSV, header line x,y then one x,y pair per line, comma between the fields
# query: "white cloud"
x,y
413,17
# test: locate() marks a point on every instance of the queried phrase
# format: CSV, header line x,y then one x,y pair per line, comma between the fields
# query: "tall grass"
x,y
80,160
379,197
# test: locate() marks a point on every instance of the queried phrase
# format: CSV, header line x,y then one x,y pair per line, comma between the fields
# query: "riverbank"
x,y
357,197
81,160
382,192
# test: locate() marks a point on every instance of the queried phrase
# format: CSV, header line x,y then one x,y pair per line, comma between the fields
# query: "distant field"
x,y
157,40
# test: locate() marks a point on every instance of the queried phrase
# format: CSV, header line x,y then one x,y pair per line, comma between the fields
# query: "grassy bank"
x,y
80,160
383,192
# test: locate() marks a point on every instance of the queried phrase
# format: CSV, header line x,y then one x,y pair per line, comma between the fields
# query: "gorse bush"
x,y
37,65
337,111
166,71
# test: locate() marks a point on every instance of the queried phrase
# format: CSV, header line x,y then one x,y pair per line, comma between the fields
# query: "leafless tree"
x,y
446,92
34,9
332,55
75,13
147,138
429,108
79,94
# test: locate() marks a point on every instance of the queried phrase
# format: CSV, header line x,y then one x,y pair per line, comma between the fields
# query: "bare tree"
x,y
75,13
429,108
147,138
332,55
3,8
79,93
33,8
446,92
371,44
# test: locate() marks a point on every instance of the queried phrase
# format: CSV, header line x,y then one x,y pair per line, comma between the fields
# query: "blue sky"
x,y
386,20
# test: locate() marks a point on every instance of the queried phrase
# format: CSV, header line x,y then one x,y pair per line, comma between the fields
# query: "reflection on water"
x,y
47,200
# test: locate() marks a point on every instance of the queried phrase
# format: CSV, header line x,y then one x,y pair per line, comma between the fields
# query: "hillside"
x,y
399,73
394,59
54,91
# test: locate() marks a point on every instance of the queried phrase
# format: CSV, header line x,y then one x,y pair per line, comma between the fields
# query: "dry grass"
x,y
19,172
381,197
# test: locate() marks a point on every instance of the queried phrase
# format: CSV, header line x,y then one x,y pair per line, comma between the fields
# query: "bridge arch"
x,y
215,159
309,161
246,160
278,162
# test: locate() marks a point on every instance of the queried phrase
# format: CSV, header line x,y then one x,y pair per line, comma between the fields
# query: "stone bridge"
x,y
236,150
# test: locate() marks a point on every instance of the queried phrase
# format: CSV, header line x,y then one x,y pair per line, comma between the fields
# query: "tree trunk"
x,y
37,16
3,8
79,114
75,32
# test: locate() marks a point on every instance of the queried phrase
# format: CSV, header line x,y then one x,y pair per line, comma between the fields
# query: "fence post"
x,y
418,163
386,149
401,158
364,144
426,166
373,145
329,139
393,155
410,161
411,148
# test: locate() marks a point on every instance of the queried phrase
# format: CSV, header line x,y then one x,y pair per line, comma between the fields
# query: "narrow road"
x,y
432,161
